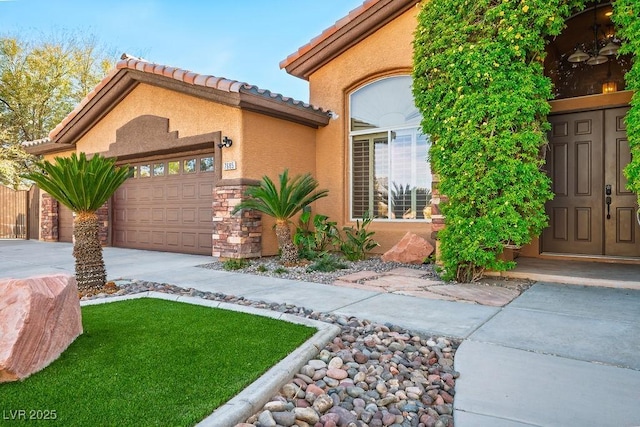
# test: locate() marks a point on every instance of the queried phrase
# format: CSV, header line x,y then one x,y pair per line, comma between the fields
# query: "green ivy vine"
x,y
480,86
626,17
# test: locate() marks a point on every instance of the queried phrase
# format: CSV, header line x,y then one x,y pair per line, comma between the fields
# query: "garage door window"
x,y
206,164
174,168
190,166
158,169
145,171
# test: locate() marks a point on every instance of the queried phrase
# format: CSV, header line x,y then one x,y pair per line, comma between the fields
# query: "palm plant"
x,y
83,186
282,204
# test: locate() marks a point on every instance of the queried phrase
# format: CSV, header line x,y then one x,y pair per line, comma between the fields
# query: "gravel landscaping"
x,y
271,266
370,375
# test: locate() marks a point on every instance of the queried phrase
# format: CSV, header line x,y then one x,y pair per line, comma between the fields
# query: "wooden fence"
x,y
19,213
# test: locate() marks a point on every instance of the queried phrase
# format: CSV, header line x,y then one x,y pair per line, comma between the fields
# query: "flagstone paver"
x,y
425,294
360,275
405,271
485,295
414,282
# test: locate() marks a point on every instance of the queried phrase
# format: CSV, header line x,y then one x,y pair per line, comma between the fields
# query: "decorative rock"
x,y
308,415
323,403
336,363
39,318
337,374
317,364
314,389
411,249
266,419
285,419
345,415
275,406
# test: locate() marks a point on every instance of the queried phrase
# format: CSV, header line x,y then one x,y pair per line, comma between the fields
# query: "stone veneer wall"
x,y
49,219
239,235
103,223
437,219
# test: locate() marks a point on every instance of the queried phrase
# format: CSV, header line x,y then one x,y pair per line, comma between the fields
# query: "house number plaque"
x,y
229,166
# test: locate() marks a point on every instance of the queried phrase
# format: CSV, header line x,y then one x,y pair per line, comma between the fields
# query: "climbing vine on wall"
x,y
479,84
626,16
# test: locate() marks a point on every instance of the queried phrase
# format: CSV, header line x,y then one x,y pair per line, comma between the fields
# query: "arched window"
x,y
390,174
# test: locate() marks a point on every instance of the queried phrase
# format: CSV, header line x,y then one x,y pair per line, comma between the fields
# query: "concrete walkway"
x,y
557,355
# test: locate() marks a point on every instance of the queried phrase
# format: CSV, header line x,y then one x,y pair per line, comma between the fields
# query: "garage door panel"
x,y
173,191
158,238
173,238
205,241
119,214
158,215
205,189
158,193
169,212
204,215
173,215
188,191
189,240
143,215
188,216
143,237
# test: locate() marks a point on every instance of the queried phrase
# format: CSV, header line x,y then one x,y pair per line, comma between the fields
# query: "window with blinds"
x,y
390,174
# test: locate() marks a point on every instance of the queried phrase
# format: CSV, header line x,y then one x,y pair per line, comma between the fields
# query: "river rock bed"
x,y
272,267
370,375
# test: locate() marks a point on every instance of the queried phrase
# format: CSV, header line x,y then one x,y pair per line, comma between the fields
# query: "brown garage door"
x,y
65,223
166,206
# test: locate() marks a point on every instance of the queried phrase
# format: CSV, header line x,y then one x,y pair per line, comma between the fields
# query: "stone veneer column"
x,y
49,219
437,219
103,222
239,235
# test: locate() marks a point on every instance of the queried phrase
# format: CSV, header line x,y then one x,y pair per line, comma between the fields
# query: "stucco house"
x,y
197,141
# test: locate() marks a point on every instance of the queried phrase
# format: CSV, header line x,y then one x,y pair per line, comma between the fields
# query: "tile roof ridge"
x,y
186,76
129,62
35,142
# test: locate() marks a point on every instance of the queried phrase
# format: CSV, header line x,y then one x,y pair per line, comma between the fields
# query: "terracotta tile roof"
x,y
128,62
328,32
36,142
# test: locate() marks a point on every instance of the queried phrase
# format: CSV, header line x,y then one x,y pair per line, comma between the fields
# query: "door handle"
x,y
607,192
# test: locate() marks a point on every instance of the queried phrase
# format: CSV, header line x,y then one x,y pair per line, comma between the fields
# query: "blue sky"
x,y
240,40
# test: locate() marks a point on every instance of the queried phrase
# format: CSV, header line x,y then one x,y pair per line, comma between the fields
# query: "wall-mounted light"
x,y
226,142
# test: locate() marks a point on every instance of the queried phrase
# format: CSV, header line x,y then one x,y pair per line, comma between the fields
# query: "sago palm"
x,y
282,203
83,186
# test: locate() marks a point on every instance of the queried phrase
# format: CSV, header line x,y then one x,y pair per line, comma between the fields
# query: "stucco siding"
x,y
188,115
386,52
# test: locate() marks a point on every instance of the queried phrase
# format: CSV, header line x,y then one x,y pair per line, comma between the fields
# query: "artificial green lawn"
x,y
152,362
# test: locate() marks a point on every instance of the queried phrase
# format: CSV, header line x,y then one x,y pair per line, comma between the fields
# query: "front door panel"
x,y
592,212
620,225
574,163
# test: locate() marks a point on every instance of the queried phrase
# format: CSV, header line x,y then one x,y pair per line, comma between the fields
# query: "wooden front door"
x,y
592,212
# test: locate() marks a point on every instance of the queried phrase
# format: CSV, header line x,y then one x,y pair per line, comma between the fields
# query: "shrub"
x,y
280,270
357,241
235,264
327,263
313,237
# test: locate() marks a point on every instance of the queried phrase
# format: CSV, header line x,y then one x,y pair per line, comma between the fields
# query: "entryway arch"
x,y
593,212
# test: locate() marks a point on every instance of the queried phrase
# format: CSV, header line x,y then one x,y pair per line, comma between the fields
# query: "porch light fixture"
x,y
596,56
226,142
609,86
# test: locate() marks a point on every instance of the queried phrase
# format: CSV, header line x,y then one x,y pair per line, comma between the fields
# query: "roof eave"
x,y
337,39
